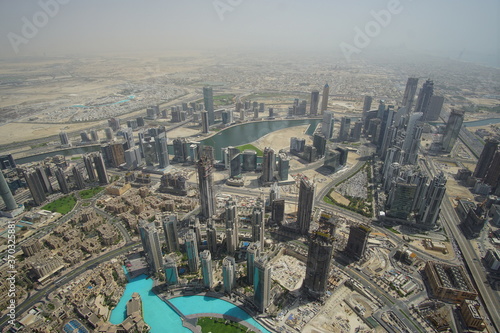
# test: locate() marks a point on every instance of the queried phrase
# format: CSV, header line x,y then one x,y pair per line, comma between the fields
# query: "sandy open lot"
x,y
281,139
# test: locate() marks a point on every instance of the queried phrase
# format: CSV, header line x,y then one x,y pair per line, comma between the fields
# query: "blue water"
x,y
157,314
161,318
475,123
482,122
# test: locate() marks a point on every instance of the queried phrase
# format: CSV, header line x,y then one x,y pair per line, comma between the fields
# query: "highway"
x,y
49,288
451,221
473,263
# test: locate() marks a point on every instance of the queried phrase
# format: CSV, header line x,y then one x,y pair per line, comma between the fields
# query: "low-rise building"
x,y
449,282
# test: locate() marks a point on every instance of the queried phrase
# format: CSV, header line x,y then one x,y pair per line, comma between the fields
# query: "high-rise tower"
x,y
489,149
229,274
8,198
452,129
306,204
206,268
314,103
318,263
424,97
409,94
208,99
102,174
151,245
262,283
205,184
327,124
429,211
367,104
358,239
192,251
170,268
252,254
35,186
324,101
170,230
268,165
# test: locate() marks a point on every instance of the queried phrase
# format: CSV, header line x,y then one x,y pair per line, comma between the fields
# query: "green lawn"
x,y
250,147
62,205
87,194
218,325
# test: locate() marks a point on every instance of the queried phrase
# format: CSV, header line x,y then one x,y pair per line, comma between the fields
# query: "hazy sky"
x,y
452,28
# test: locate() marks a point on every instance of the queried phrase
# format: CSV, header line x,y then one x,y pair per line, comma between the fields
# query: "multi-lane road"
x,y
38,296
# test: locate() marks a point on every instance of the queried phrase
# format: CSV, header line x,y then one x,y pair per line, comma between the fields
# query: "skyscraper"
x,y
492,177
114,123
231,215
262,283
170,230
324,101
8,198
314,103
489,149
63,137
205,184
345,125
424,97
212,238
411,143
409,94
367,104
327,124
429,211
229,274
318,263
162,150
268,165
434,108
252,254
452,129
283,166
44,179
257,222
206,268
306,204
358,239
35,186
151,245
128,135
89,166
192,251
208,99
61,180
170,268
230,241
278,211
78,178
7,162
102,174
205,125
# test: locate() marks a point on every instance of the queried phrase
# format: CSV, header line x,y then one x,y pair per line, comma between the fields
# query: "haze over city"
x,y
249,166
462,29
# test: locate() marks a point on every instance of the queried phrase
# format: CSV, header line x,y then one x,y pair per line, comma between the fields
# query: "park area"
x,y
87,194
220,325
62,205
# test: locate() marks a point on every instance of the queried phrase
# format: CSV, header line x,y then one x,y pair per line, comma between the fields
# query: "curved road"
x,y
37,296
